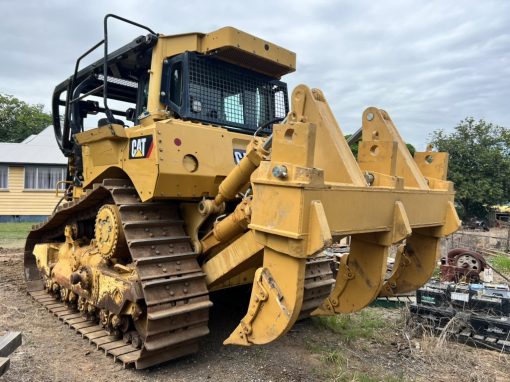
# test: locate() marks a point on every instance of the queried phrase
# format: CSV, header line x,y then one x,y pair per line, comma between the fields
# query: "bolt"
x,y
370,116
369,178
163,94
280,172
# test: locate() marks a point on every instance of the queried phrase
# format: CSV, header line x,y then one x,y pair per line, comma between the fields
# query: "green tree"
x,y
18,119
479,164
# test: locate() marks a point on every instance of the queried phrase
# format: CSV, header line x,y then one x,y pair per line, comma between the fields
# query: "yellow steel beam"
x,y
239,256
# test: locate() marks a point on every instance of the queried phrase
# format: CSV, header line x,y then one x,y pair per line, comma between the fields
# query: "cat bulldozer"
x,y
202,174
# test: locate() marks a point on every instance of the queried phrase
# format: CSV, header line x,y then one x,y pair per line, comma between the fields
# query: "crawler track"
x,y
176,298
176,301
319,280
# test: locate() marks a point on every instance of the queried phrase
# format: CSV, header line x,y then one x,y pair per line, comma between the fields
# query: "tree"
x,y
18,119
479,164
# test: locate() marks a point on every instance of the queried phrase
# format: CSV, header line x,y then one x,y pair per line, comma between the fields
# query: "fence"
x,y
496,240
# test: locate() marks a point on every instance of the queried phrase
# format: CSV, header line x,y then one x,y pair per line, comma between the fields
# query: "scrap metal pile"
x,y
473,313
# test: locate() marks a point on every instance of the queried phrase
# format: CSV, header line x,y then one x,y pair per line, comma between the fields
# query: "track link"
x,y
319,280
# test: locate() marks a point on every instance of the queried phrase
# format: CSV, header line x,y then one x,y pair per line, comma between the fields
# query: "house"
x,y
29,172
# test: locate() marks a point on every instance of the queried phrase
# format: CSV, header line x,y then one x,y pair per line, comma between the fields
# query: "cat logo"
x,y
140,147
238,155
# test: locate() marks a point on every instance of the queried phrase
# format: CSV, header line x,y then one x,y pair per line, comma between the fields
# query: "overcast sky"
x,y
428,63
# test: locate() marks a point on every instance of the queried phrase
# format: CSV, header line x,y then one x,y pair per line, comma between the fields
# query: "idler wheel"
x,y
108,232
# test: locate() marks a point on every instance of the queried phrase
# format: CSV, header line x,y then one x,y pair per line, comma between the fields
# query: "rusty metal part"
x,y
479,316
469,262
175,308
462,264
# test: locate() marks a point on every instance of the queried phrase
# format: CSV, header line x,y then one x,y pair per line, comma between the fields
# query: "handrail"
x,y
109,114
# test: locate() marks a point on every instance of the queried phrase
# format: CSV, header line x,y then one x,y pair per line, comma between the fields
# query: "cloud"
x,y
429,64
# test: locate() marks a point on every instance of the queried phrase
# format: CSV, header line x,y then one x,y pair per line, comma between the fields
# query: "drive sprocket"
x,y
108,231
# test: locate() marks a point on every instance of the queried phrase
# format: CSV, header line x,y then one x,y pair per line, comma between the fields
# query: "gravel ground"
x,y
309,352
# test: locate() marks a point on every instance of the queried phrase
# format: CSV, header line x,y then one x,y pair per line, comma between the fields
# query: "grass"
x,y
437,273
341,372
501,263
350,327
350,331
13,235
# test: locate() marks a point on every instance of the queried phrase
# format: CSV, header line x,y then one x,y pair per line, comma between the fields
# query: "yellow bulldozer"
x,y
203,175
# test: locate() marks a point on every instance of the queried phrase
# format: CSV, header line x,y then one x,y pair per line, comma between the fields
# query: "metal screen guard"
x,y
216,92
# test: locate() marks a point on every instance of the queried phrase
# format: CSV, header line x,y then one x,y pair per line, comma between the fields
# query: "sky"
x,y
428,63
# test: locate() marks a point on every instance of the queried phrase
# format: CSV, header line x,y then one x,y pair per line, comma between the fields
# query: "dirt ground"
x,y
309,352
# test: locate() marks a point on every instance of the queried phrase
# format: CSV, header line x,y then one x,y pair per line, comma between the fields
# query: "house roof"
x,y
36,149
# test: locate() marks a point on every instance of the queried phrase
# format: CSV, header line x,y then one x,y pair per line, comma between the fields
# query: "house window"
x,y
44,177
4,177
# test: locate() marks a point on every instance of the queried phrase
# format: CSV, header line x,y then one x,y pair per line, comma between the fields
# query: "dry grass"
x,y
456,361
380,344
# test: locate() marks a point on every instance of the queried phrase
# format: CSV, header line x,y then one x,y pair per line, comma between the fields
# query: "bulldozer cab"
x,y
226,78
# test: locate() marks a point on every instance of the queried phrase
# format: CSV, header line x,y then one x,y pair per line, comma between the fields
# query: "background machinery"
x,y
222,179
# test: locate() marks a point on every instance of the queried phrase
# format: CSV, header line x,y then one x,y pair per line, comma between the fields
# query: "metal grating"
x,y
225,94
